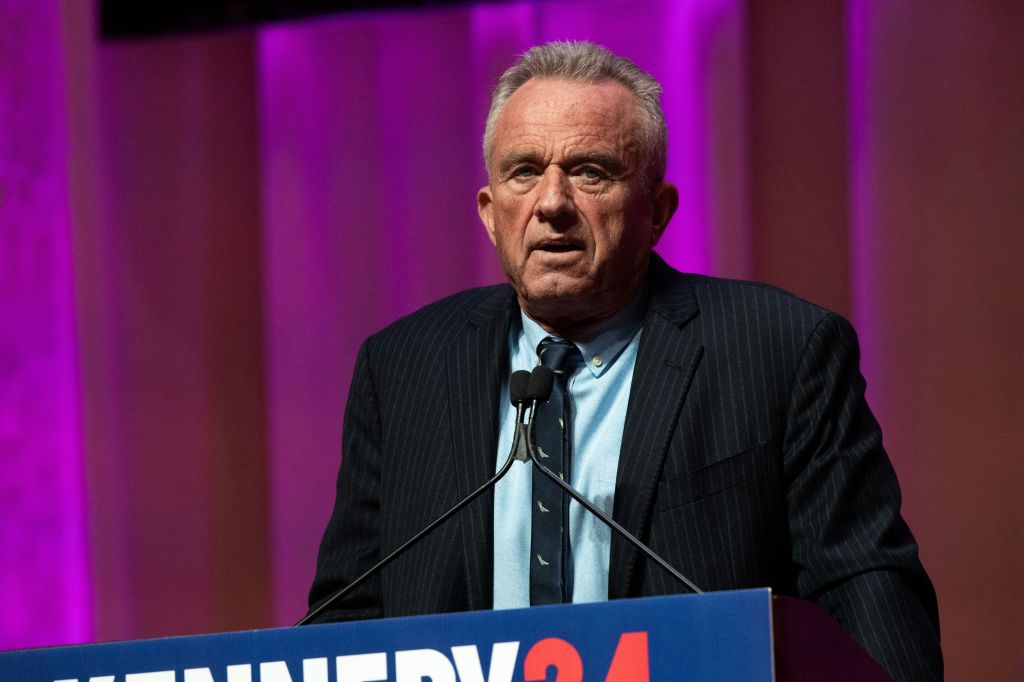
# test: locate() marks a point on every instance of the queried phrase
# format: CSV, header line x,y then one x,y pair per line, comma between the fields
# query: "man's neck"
x,y
582,330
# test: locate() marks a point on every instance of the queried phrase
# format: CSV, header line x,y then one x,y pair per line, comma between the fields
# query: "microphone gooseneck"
x,y
519,385
526,391
541,382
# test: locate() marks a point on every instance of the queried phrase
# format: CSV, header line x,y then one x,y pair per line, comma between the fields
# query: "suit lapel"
x,y
669,355
475,367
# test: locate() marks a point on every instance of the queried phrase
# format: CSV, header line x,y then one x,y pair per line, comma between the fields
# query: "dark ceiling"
x,y
128,18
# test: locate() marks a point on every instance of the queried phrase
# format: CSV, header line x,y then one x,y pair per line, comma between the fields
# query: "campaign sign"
x,y
719,636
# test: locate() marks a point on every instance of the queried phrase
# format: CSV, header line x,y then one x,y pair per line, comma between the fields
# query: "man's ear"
x,y
664,201
485,207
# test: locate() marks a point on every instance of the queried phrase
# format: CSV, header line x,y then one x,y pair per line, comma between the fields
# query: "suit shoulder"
x,y
753,310
758,322
719,294
742,289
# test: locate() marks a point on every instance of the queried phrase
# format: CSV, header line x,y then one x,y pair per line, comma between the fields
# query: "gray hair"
x,y
585,62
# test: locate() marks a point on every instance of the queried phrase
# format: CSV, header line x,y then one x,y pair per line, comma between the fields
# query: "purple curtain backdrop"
x,y
937,160
44,569
197,232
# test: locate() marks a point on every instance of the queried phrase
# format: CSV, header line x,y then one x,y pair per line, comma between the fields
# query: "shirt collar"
x,y
605,342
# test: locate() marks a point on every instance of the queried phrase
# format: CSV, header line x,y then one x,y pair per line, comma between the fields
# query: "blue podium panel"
x,y
720,636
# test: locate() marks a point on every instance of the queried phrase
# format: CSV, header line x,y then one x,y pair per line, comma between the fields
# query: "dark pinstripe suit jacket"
x,y
749,458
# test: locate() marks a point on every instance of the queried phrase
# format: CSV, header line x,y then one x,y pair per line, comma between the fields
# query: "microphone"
x,y
519,387
520,394
542,380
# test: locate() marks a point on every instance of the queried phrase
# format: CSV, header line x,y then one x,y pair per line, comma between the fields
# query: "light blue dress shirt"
x,y
599,392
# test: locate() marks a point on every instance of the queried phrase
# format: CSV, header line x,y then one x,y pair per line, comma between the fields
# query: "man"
x,y
722,422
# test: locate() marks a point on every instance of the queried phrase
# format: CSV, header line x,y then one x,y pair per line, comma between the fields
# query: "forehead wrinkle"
x,y
546,129
581,148
509,161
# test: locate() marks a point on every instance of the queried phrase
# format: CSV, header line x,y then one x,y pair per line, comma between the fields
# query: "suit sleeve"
x,y
351,543
855,556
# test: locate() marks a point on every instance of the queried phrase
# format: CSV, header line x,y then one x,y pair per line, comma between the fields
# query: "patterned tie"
x,y
550,551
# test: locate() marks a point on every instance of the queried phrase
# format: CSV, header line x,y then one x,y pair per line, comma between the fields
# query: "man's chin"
x,y
557,291
561,299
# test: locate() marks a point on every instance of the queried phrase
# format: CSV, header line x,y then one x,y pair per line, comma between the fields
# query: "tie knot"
x,y
557,354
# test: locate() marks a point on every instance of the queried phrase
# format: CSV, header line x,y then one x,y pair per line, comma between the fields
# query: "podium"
x,y
744,635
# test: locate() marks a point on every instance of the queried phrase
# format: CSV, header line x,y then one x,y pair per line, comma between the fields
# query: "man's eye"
x,y
524,172
591,174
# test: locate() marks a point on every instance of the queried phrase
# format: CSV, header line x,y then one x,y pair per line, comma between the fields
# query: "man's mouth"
x,y
558,247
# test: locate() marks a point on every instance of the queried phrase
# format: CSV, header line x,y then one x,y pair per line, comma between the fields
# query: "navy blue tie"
x,y
550,550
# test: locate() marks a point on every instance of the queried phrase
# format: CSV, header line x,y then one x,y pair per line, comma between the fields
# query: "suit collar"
x,y
476,364
496,306
669,356
672,293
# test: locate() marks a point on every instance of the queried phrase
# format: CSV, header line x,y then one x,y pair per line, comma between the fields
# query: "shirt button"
x,y
597,361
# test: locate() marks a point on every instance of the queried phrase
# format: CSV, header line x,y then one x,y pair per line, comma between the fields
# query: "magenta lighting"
x,y
44,560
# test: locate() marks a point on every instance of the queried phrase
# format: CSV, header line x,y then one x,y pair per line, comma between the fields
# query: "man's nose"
x,y
555,195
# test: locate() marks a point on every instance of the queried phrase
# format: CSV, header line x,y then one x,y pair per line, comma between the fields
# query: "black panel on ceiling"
x,y
124,18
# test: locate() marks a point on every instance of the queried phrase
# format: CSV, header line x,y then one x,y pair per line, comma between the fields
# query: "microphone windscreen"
x,y
519,387
542,379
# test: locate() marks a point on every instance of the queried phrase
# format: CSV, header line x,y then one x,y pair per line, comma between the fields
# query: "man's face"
x,y
565,206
